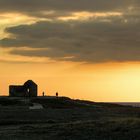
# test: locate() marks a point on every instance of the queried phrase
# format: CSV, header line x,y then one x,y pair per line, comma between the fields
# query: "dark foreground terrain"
x,y
65,119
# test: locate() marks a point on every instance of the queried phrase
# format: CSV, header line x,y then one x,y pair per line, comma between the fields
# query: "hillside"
x,y
62,118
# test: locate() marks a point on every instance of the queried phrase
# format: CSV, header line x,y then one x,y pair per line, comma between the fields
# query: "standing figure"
x,y
43,93
56,94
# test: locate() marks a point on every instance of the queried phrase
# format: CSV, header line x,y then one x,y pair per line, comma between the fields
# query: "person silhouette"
x,y
43,93
56,94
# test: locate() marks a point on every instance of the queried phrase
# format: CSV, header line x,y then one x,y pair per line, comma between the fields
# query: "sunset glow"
x,y
87,15
81,51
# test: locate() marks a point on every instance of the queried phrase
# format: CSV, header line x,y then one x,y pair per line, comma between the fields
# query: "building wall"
x,y
16,91
29,89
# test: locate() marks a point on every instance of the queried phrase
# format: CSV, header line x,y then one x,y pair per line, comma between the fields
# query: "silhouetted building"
x,y
29,89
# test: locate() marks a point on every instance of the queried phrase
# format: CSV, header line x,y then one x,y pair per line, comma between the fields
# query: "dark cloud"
x,y
52,9
36,7
86,41
32,5
100,39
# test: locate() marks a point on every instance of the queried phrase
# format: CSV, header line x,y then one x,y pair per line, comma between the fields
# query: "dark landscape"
x,y
62,118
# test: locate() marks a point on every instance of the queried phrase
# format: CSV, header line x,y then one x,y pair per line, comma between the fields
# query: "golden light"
x,y
97,82
86,15
12,19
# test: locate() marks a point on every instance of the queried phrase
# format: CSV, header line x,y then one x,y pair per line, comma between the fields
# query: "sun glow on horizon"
x,y
103,82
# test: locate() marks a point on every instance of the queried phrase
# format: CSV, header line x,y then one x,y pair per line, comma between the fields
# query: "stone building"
x,y
29,89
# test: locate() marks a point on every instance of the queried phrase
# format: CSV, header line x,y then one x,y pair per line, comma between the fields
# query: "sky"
x,y
85,49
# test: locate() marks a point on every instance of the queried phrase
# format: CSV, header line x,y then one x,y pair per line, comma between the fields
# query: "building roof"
x,y
30,82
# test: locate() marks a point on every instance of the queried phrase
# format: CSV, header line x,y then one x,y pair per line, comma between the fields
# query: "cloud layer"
x,y
100,38
78,5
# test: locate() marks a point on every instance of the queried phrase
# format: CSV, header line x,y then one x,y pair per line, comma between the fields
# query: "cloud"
x,y
52,9
82,30
100,40
56,8
78,5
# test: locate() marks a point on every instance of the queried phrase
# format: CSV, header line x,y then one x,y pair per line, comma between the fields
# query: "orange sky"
x,y
98,82
87,51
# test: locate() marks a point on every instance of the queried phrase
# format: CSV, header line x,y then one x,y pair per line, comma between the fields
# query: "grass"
x,y
66,119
